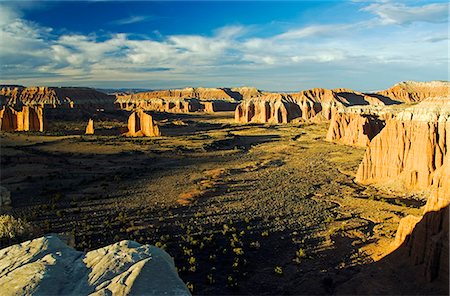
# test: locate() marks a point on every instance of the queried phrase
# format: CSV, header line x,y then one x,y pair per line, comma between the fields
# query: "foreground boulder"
x,y
47,266
411,147
141,124
29,119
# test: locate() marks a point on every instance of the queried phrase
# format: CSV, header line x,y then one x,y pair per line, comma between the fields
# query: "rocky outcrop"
x,y
141,124
47,266
90,127
314,104
186,100
411,147
29,119
56,97
5,197
411,91
354,128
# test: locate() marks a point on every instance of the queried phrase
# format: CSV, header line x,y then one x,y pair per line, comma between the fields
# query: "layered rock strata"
x,y
411,91
56,97
186,100
414,148
29,119
47,266
354,128
310,104
141,124
411,147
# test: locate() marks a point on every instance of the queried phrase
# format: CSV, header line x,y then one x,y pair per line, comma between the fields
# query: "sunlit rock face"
x,y
354,127
187,100
90,127
141,124
47,266
411,91
411,147
316,104
29,119
56,97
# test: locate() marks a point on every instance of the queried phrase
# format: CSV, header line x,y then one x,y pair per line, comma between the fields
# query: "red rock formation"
x,y
310,104
56,97
270,110
411,147
141,124
411,91
186,100
29,119
90,127
353,128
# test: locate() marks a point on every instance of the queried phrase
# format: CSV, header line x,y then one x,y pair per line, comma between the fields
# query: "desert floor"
x,y
243,209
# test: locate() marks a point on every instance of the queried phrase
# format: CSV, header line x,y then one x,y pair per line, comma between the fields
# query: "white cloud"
x,y
399,13
231,55
132,20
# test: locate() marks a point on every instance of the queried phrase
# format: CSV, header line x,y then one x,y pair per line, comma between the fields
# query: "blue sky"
x,y
293,45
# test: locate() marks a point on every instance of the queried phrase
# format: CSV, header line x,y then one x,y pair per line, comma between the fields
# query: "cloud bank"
x,y
397,42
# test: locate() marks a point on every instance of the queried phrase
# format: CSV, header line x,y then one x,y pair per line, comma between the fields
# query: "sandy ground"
x,y
243,209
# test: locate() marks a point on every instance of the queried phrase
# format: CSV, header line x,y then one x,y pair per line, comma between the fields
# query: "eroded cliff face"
x,y
414,148
315,104
56,97
411,91
141,124
29,119
186,100
47,266
354,128
410,148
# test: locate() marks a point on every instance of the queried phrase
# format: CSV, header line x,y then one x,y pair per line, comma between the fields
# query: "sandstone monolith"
x,y
141,124
90,127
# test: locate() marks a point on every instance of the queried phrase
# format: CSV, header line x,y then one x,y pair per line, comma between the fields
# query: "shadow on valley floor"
x,y
419,266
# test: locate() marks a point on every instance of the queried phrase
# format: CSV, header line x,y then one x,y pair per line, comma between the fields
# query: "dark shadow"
x,y
239,142
384,99
373,126
419,266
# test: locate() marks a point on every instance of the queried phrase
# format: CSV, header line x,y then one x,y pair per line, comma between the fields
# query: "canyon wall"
x,y
354,128
411,91
186,100
410,148
414,149
56,97
29,119
315,104
141,124
47,266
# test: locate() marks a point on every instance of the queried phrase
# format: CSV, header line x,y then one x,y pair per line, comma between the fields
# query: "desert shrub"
x,y
11,227
14,230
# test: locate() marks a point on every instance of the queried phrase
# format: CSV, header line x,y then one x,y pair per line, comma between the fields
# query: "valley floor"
x,y
243,209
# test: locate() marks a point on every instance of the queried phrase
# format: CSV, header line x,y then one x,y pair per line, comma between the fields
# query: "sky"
x,y
274,46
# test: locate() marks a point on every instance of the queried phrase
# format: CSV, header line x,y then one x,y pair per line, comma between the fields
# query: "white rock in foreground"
x,y
47,266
